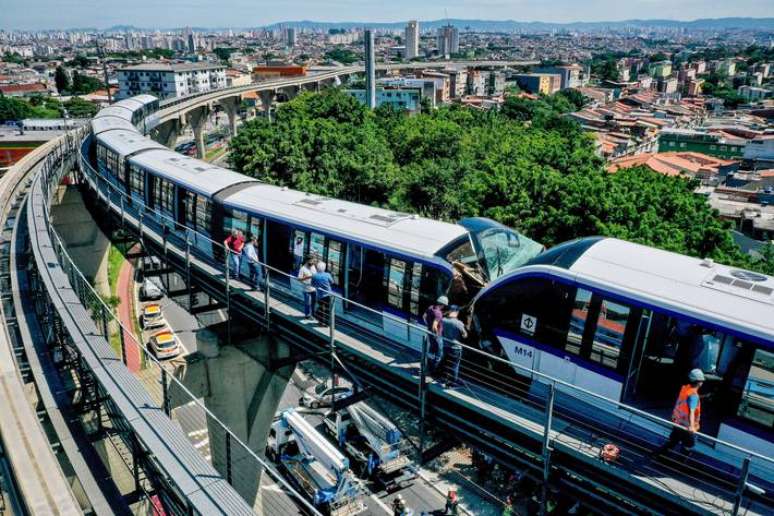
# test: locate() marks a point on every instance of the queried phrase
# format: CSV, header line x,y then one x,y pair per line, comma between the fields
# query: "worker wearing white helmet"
x,y
686,415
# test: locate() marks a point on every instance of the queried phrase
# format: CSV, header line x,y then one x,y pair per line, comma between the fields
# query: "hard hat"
x,y
443,300
696,375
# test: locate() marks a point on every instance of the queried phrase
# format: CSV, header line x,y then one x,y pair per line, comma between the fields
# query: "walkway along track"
x,y
511,431
41,484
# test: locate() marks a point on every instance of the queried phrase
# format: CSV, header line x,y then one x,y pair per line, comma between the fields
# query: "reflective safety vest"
x,y
681,413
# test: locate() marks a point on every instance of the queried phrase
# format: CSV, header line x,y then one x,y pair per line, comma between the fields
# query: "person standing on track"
x,y
305,274
234,242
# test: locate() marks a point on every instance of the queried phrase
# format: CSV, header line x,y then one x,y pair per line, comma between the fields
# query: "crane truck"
x,y
372,442
314,465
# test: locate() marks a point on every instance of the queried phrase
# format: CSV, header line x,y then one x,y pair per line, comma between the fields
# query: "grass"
x,y
213,154
116,260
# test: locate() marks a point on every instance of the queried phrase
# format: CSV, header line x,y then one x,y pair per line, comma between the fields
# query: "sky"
x,y
60,14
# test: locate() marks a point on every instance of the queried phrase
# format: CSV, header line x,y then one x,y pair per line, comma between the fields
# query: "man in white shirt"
x,y
251,253
298,253
305,274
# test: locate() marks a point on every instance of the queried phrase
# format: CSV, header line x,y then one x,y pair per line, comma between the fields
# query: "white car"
x,y
152,317
320,395
164,344
150,291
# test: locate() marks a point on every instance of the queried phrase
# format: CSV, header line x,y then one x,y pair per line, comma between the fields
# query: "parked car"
x,y
164,344
152,317
320,395
150,291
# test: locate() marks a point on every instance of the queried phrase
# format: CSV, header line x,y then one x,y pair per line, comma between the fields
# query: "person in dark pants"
x,y
453,333
322,281
686,414
253,265
433,318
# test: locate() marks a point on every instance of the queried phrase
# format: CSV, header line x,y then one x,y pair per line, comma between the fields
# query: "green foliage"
x,y
15,58
542,177
153,53
224,53
61,79
13,109
342,55
83,84
79,61
604,66
79,108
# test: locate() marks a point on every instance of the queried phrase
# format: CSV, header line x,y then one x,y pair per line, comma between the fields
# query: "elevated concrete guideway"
x,y
175,114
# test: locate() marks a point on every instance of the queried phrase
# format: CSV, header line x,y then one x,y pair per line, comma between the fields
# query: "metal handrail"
x,y
415,327
107,309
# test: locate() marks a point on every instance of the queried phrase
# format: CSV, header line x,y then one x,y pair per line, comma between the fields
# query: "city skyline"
x,y
51,14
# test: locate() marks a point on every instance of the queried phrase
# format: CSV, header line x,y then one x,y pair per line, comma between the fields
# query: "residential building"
x,y
448,40
167,80
726,67
571,76
475,83
693,87
275,71
541,83
753,93
759,152
431,88
412,39
683,164
704,142
22,90
661,69
667,85
407,98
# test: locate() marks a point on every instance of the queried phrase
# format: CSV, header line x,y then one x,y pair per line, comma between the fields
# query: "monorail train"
x,y
615,318
628,322
393,263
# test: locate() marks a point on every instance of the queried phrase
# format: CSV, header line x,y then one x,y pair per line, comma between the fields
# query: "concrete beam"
x,y
197,118
167,133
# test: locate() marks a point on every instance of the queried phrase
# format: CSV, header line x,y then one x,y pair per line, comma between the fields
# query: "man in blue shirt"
x,y
453,333
322,281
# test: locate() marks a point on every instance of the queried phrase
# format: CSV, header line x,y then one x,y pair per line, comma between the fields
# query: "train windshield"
x,y
500,249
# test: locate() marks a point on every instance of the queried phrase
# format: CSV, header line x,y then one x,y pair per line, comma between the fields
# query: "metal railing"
x,y
233,458
490,380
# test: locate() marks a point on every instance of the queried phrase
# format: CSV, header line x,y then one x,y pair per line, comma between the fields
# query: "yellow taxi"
x,y
164,344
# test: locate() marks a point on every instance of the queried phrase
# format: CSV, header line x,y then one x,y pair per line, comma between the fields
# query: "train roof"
x,y
729,297
127,142
195,175
131,104
109,123
120,111
383,228
145,98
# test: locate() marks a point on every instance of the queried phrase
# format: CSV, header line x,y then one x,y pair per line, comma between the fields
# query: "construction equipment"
x,y
373,443
314,465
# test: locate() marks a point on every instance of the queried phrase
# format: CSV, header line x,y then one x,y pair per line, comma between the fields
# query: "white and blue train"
x,y
615,318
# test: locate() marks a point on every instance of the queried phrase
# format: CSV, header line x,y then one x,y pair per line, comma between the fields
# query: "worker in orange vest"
x,y
686,414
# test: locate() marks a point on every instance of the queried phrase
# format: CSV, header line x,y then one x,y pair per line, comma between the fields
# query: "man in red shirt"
x,y
234,242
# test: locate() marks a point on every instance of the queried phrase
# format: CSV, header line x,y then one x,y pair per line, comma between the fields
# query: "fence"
x,y
528,396
233,459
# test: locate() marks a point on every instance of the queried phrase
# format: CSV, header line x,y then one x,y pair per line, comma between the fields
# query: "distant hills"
x,y
717,24
765,24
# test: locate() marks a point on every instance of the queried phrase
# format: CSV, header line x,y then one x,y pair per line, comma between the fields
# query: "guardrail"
x,y
235,461
489,379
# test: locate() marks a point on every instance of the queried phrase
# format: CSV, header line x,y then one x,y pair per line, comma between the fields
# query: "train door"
x,y
279,252
364,284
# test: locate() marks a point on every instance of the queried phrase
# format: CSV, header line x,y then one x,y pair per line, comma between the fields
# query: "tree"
x,y
13,109
61,79
79,108
83,84
224,53
542,178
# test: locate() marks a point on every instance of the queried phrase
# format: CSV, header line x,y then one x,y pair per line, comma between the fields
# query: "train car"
x,y
628,322
184,192
113,149
110,123
118,111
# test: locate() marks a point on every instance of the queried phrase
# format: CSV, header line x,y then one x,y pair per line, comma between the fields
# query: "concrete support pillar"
x,y
246,403
197,118
267,99
291,91
167,133
231,107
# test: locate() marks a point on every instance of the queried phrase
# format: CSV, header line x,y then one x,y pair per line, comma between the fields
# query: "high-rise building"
x,y
370,69
412,39
290,36
448,40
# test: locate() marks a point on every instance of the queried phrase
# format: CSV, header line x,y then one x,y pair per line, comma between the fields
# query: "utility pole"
x,y
101,55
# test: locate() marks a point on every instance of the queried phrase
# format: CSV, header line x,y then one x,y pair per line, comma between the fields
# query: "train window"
x,y
463,252
189,209
396,278
136,181
334,260
235,219
757,402
580,311
416,282
317,246
254,227
203,214
166,196
609,333
299,248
